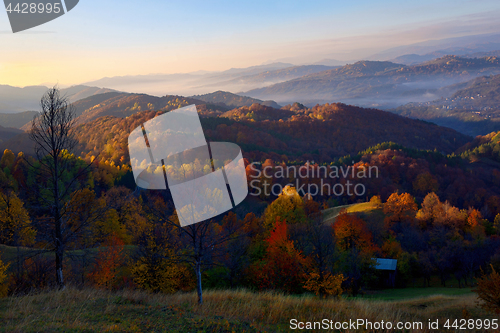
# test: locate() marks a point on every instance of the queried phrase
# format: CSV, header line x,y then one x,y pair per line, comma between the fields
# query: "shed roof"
x,y
386,264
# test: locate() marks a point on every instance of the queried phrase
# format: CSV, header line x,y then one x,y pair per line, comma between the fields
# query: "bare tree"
x,y
51,132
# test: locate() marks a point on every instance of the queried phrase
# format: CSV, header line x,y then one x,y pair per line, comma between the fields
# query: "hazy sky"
x,y
109,38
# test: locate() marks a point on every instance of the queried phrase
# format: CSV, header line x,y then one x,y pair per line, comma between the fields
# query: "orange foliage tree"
x,y
109,259
432,211
283,266
399,208
351,232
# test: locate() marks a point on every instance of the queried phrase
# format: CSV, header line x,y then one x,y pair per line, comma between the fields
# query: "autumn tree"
x,y
425,183
199,245
399,208
283,267
351,232
452,217
329,285
130,212
317,242
235,257
51,132
354,242
289,206
4,279
109,258
156,265
432,211
496,224
15,224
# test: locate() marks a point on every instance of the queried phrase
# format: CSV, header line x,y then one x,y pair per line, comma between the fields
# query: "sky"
x,y
115,38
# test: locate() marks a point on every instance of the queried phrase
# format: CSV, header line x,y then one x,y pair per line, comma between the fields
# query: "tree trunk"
x,y
59,248
198,282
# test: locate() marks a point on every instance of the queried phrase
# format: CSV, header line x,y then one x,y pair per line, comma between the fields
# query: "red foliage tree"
x,y
109,259
351,232
283,266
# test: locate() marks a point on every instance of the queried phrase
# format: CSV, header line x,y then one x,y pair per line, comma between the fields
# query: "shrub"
x,y
4,279
488,291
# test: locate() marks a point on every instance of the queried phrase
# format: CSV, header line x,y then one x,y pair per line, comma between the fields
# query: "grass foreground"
x,y
93,310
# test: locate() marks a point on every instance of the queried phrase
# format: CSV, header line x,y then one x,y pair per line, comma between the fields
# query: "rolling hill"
x,y
122,105
322,133
16,120
14,99
7,133
232,100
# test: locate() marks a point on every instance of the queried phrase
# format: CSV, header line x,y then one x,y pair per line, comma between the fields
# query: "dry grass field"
x,y
92,310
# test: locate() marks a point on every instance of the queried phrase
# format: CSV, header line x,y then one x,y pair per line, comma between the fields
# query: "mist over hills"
x,y
473,108
413,59
455,45
411,84
14,99
232,80
379,84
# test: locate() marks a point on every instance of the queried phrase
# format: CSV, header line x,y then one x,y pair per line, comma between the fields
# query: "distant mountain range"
x,y
380,84
418,80
462,46
413,59
14,99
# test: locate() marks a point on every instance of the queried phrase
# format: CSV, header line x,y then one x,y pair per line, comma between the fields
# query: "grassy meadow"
x,y
93,310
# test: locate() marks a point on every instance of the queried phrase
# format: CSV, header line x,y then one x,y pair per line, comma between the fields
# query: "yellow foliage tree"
x,y
158,269
15,224
329,285
7,159
4,279
289,206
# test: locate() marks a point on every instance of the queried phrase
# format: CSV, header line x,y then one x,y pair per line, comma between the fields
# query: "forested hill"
x,y
123,105
322,133
233,100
